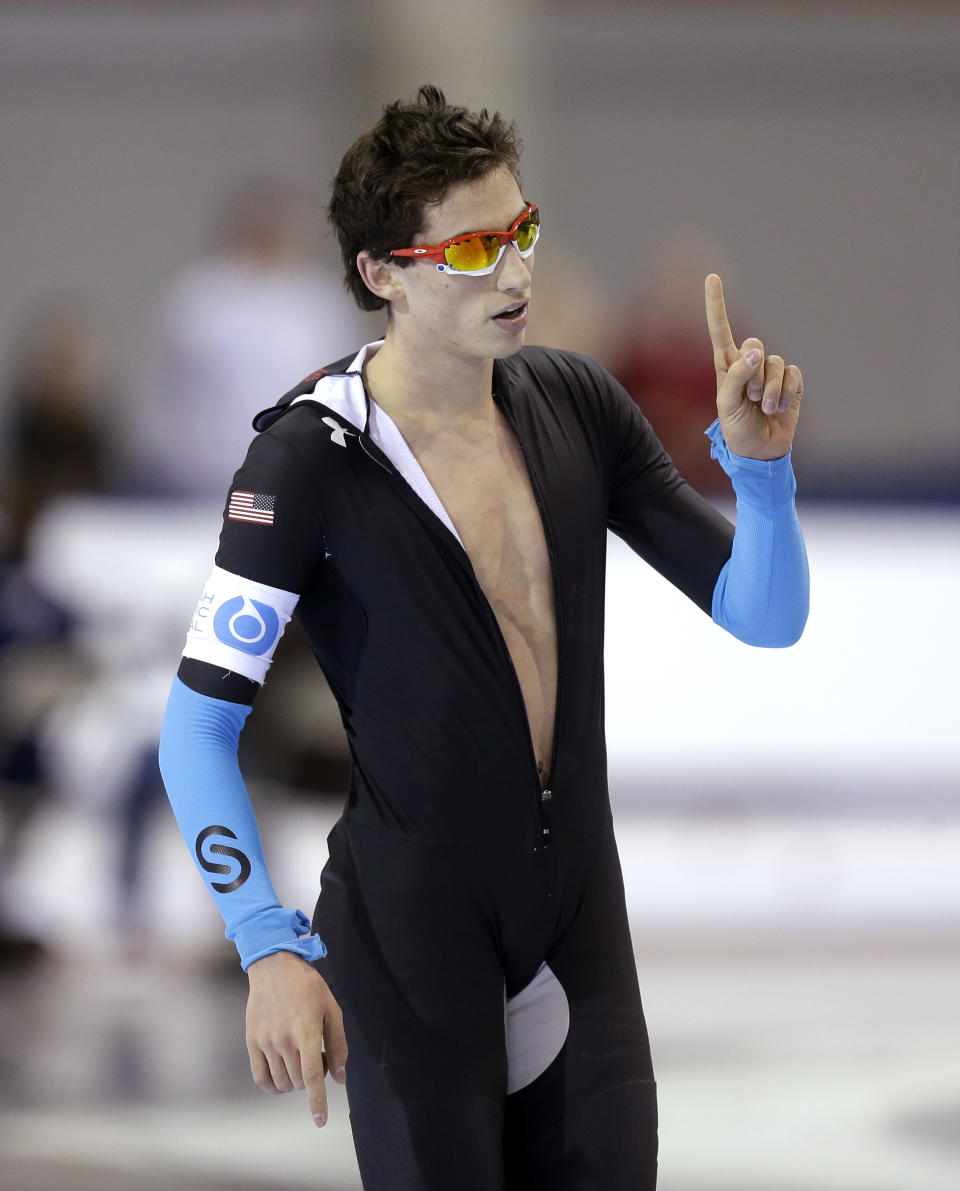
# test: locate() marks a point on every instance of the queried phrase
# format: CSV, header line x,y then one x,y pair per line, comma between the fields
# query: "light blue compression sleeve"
x,y
762,595
198,760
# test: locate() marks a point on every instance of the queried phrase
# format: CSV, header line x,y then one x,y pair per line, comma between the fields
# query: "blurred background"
x,y
789,821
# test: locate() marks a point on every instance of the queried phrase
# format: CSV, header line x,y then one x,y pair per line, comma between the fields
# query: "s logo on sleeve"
x,y
239,875
237,624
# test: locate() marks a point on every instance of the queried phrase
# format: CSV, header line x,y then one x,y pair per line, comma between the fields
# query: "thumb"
x,y
335,1045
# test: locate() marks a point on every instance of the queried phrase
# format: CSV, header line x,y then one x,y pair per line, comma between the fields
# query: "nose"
x,y
514,273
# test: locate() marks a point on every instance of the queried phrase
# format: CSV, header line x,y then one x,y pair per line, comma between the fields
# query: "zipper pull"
x,y
545,833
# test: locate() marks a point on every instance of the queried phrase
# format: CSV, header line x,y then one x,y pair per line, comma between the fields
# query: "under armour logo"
x,y
339,435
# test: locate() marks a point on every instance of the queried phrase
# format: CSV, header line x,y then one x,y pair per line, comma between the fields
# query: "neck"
x,y
429,387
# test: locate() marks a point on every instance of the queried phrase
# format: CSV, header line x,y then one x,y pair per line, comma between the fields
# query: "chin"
x,y
509,347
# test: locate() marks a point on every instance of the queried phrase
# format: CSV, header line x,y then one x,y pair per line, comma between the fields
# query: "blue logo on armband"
x,y
247,625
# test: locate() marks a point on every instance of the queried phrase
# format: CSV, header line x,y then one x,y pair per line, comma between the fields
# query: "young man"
x,y
436,510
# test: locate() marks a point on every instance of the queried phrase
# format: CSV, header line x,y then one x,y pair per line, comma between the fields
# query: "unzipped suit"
x,y
453,878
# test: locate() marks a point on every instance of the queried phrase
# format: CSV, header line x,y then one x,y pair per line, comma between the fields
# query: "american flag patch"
x,y
251,506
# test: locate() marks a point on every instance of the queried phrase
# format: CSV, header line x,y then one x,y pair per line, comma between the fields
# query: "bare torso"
x,y
477,470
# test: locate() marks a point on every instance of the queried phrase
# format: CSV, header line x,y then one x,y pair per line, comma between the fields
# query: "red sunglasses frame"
x,y
437,252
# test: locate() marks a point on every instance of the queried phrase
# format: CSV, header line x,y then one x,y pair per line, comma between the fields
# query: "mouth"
x,y
512,315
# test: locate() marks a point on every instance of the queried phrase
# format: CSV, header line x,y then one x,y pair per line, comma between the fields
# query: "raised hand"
x,y
294,1030
758,396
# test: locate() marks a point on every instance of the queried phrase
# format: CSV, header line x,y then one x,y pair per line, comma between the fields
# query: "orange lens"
x,y
479,252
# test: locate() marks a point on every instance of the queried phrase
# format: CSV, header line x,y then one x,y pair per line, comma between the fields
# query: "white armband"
x,y
237,624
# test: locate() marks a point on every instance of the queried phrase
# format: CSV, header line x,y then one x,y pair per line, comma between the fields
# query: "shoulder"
x,y
311,436
331,389
552,363
305,451
299,425
562,379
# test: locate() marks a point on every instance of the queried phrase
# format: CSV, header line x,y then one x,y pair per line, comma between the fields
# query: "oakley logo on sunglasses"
x,y
478,253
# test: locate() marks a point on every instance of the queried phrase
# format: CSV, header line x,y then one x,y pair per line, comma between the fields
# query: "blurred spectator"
x,y
235,331
57,396
664,359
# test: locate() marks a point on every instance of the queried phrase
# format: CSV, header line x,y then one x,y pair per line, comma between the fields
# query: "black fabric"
x,y
217,682
406,637
449,876
420,939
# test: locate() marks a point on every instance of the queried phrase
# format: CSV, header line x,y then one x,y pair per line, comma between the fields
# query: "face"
x,y
468,317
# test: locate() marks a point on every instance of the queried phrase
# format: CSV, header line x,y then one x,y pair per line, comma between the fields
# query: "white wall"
x,y
859,715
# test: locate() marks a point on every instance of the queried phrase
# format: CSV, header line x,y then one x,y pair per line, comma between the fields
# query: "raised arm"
x,y
753,580
762,594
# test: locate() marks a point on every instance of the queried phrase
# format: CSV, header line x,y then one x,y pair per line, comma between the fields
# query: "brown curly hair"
x,y
411,157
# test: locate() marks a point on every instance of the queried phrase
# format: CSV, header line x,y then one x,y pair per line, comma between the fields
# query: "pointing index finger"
x,y
720,334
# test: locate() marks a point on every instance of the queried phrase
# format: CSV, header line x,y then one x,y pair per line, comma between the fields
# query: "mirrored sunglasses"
x,y
477,253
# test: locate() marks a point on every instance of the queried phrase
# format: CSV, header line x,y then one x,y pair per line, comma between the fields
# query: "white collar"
x,y
346,396
344,392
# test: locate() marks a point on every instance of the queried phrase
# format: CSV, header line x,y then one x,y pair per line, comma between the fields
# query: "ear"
x,y
381,277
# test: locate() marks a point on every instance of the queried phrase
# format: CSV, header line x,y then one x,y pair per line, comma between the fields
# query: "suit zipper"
x,y
545,794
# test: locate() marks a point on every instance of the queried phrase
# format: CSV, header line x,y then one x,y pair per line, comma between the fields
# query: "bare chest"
x,y
482,482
